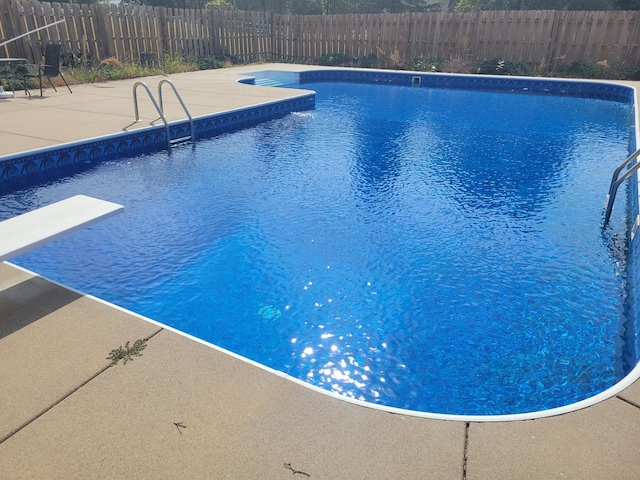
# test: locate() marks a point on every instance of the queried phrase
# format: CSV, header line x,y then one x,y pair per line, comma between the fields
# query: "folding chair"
x,y
51,67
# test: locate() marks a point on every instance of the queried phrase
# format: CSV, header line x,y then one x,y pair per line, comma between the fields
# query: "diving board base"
x,y
33,229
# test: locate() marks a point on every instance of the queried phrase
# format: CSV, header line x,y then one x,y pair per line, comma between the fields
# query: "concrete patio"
x,y
186,410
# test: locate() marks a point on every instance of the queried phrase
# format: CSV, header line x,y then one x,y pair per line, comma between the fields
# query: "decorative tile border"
x,y
20,170
574,88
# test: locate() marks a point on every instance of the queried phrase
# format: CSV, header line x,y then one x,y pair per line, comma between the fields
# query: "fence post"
x,y
542,37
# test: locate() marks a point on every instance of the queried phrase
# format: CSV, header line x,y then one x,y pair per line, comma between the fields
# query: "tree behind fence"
x,y
539,38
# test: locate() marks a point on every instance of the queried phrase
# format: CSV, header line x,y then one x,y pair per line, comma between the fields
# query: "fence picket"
x,y
541,38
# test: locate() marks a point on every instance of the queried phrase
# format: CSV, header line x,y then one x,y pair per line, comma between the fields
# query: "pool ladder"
x,y
160,109
615,183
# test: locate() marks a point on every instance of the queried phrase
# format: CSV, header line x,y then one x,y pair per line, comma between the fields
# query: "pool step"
x,y
181,139
268,82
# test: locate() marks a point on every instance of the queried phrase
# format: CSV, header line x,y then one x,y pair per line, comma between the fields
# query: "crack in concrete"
x,y
63,398
630,402
464,455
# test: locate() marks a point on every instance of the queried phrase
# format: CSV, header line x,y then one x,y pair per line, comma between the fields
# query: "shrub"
x,y
579,70
596,70
74,59
177,65
429,64
111,64
370,61
228,60
208,63
332,59
627,73
459,65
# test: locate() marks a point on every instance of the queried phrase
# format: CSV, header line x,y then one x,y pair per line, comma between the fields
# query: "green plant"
x,y
208,63
429,64
111,68
626,73
332,59
458,65
220,5
370,61
599,70
127,353
177,65
228,60
83,75
498,66
74,59
579,69
114,69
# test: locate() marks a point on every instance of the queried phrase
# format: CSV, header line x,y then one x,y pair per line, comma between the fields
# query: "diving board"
x,y
51,222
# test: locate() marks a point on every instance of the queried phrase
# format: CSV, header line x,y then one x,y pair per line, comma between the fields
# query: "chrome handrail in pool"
x,y
160,110
615,183
184,107
155,104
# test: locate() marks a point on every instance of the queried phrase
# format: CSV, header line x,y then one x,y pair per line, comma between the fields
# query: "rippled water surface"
x,y
427,249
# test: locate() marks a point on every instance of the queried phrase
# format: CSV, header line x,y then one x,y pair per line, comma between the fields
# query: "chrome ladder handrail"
x,y
160,110
615,183
184,107
155,104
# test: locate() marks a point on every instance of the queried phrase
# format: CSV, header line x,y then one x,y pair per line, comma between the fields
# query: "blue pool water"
x,y
435,250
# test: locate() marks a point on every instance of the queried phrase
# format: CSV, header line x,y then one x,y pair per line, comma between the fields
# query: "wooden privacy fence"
x,y
98,31
533,37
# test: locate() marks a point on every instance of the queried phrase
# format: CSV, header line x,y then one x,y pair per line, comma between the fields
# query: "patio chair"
x,y
50,69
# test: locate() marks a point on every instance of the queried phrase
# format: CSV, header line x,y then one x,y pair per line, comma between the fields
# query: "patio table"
x,y
8,71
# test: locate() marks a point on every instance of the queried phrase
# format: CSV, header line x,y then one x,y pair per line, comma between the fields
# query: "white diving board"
x,y
43,225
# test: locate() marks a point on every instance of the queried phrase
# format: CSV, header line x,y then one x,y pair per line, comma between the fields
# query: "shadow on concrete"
x,y
30,300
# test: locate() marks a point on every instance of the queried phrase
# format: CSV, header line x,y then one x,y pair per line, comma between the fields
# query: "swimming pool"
x,y
436,259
